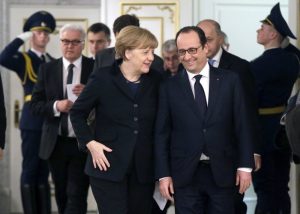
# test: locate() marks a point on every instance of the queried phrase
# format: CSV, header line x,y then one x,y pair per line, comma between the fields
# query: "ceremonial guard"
x,y
275,72
34,176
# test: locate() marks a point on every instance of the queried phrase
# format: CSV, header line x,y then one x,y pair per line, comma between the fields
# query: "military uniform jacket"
x,y
275,72
14,60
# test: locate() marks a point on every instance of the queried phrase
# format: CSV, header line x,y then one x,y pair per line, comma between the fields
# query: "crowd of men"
x,y
209,124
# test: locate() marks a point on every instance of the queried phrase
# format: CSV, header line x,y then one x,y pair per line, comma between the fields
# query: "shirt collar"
x,y
218,55
38,53
76,63
204,72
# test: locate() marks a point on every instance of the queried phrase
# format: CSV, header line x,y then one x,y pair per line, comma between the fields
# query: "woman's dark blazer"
x,y
124,122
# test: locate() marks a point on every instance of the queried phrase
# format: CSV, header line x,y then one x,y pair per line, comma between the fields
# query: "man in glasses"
x,y
58,85
170,57
220,58
35,190
203,135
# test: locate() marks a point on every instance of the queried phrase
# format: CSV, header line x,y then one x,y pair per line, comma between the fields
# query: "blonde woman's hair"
x,y
132,37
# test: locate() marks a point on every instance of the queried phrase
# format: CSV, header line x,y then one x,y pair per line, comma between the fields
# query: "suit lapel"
x,y
85,70
214,91
185,86
59,77
225,60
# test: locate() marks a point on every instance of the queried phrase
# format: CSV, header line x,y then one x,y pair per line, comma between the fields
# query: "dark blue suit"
x,y
182,134
275,72
242,68
34,170
124,122
34,176
66,162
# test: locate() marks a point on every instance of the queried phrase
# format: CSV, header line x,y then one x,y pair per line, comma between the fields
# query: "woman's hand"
x,y
97,151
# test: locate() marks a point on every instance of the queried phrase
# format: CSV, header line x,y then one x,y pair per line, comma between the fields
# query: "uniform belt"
x,y
27,98
271,110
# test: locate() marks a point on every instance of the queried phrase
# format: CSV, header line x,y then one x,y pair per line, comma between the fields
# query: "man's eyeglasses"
x,y
72,42
181,52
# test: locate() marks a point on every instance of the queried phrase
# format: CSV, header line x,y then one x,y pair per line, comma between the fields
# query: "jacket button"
x,y
204,130
135,105
135,119
135,131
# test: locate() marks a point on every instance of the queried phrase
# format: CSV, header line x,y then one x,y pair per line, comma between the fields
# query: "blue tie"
x,y
200,98
211,62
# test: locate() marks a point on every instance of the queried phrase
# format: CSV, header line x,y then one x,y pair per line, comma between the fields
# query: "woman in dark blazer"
x,y
124,96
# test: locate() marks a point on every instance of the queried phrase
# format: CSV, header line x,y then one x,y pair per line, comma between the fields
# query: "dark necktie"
x,y
200,95
43,58
64,116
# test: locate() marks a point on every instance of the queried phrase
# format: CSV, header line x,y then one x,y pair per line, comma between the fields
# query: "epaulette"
x,y
29,72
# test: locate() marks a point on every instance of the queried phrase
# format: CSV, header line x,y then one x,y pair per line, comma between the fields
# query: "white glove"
x,y
25,36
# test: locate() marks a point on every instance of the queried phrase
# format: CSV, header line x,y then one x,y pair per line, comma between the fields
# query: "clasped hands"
x,y
65,105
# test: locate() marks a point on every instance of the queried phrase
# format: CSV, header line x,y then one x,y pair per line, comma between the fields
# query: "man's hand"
x,y
25,36
257,161
166,188
97,151
78,89
64,105
243,179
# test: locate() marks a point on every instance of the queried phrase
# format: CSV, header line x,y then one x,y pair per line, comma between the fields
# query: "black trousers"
x,y
35,171
203,196
128,196
67,169
271,183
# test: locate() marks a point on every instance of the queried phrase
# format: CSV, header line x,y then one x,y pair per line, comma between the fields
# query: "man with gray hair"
x,y
59,83
170,57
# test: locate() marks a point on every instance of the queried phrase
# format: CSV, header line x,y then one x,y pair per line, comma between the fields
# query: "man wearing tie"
x,y
203,134
52,100
220,58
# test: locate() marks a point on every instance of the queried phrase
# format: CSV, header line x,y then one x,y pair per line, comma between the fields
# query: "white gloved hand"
x,y
25,36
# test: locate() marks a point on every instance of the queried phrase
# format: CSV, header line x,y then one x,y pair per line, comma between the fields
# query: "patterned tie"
x,y
200,98
64,116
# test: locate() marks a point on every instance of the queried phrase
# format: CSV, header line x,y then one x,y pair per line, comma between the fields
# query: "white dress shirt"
x,y
76,80
204,81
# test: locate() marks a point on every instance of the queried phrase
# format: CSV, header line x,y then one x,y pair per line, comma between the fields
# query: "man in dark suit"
x,y
35,190
220,58
107,56
275,72
202,151
53,100
2,120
